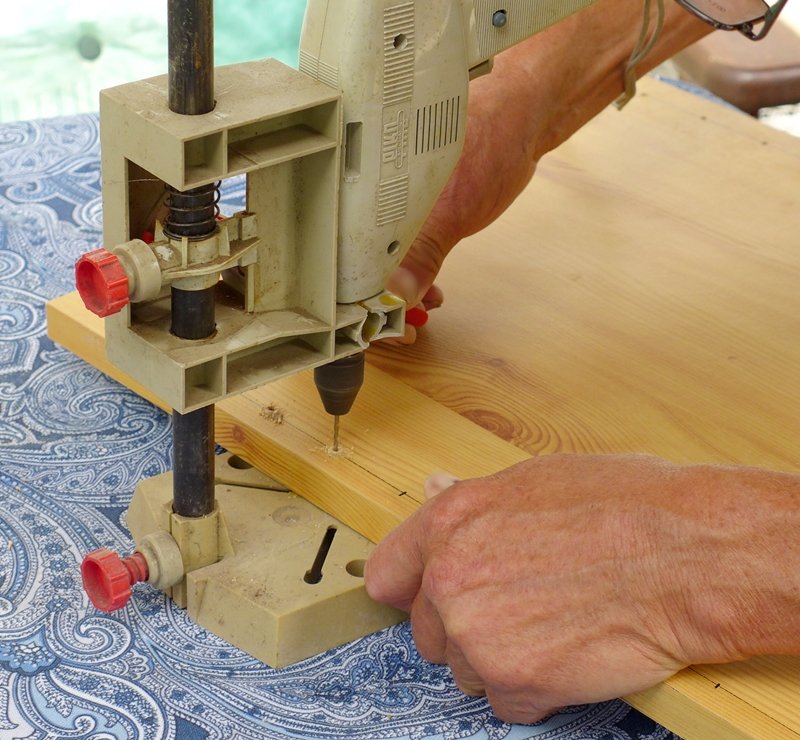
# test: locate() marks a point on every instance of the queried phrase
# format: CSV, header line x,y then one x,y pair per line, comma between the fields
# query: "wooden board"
x,y
642,295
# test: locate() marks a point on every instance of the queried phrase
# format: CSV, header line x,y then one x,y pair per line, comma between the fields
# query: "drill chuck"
x,y
338,383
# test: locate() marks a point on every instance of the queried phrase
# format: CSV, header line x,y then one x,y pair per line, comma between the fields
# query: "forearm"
x,y
538,95
560,79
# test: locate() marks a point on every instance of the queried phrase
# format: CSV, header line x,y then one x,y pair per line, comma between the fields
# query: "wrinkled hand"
x,y
569,578
497,162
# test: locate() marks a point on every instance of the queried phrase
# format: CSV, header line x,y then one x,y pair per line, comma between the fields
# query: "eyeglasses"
x,y
743,16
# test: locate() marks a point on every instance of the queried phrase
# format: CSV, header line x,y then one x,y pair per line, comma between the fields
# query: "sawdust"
x,y
271,413
342,452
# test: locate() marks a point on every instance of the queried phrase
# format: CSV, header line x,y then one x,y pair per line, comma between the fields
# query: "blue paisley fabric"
x,y
73,444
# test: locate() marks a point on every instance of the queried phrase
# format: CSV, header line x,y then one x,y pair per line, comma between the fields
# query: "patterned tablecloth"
x,y
73,445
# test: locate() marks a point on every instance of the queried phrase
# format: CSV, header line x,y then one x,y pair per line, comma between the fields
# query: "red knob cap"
x,y
108,578
101,282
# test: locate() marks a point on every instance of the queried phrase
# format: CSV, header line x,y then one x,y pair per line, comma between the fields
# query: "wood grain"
x,y
657,306
641,295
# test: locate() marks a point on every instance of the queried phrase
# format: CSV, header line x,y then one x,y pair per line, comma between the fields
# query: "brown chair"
x,y
748,74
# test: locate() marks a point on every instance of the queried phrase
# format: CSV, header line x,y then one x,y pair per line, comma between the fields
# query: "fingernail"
x,y
417,317
437,483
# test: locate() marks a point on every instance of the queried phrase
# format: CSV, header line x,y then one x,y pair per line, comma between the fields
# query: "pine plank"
x,y
693,706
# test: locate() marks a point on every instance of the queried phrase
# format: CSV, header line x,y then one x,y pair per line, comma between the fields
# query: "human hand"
x,y
497,162
538,94
569,579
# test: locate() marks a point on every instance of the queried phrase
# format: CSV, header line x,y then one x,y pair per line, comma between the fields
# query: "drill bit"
x,y
338,383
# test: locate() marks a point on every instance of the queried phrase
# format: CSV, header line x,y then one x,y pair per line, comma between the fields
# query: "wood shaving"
x,y
272,413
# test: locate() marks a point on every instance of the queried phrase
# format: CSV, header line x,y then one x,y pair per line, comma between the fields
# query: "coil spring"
x,y
192,213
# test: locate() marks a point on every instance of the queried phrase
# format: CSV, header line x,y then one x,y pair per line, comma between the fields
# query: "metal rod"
x,y
191,92
192,313
191,56
193,459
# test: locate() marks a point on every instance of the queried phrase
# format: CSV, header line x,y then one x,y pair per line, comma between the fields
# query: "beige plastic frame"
x,y
276,314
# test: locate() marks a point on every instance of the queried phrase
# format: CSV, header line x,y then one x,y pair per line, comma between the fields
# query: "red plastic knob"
x,y
101,282
108,578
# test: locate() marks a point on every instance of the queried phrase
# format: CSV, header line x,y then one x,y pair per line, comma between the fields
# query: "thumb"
x,y
437,483
404,283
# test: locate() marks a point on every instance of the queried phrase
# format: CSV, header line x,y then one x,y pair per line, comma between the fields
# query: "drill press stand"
x,y
256,595
276,313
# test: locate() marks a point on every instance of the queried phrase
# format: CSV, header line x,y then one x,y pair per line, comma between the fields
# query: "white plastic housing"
x,y
403,69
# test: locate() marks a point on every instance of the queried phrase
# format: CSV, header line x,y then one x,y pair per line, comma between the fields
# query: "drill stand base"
x,y
256,596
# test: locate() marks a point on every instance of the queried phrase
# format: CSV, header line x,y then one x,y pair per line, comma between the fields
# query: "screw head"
x,y
500,18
